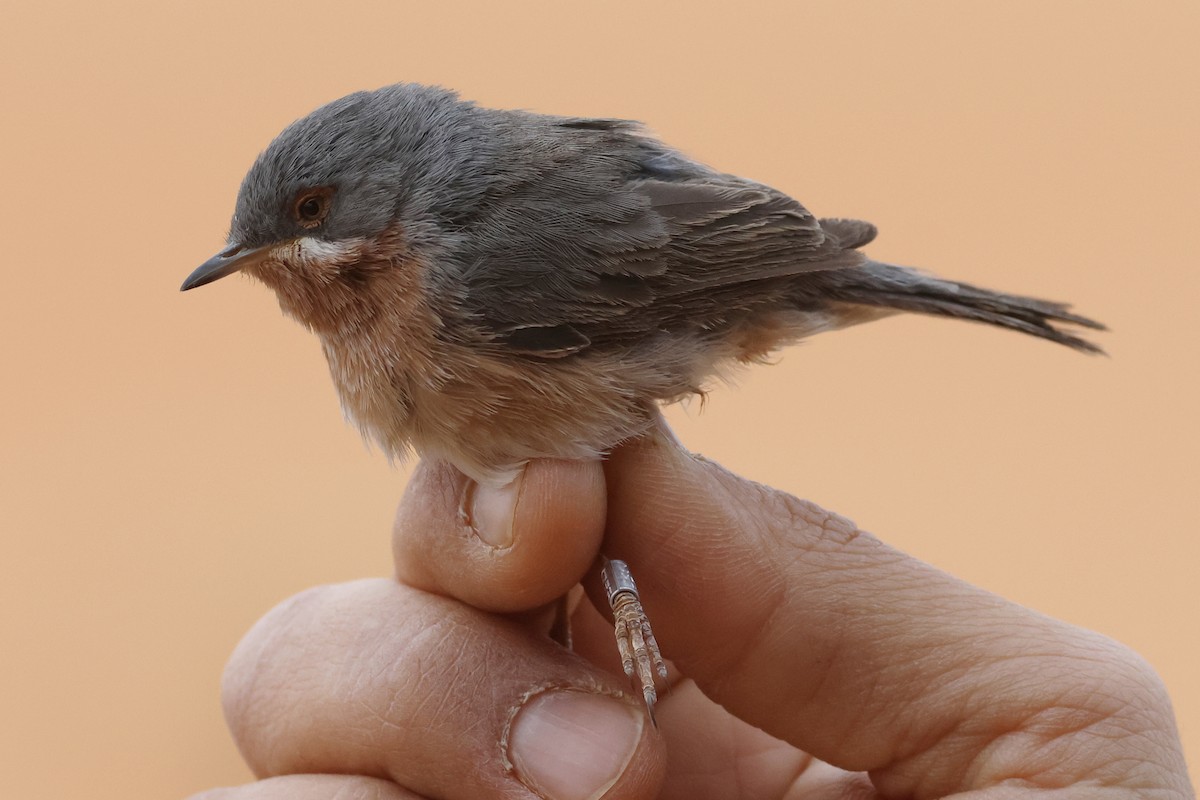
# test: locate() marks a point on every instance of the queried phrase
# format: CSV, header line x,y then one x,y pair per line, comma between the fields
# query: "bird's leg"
x,y
560,628
639,652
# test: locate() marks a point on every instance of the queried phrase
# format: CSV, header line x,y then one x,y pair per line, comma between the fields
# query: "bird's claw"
x,y
640,656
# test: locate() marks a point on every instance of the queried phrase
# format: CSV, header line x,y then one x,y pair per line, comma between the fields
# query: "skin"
x,y
811,659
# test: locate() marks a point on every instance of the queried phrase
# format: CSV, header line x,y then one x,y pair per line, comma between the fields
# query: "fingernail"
x,y
568,745
492,510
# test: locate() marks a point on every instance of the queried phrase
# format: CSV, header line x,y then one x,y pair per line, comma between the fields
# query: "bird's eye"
x,y
312,206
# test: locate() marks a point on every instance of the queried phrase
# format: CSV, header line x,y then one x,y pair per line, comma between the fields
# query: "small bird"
x,y
493,286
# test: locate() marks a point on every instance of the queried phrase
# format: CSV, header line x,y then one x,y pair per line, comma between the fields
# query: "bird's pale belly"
x,y
488,415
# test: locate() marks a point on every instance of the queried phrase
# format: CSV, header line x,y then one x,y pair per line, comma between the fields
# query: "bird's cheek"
x,y
309,260
322,251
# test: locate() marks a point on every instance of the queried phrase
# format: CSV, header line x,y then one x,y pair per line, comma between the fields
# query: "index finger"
x,y
500,548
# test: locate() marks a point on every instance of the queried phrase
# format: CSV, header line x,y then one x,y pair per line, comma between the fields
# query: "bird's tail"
x,y
886,286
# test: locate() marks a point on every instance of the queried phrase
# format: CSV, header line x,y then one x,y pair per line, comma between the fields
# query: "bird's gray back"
x,y
586,221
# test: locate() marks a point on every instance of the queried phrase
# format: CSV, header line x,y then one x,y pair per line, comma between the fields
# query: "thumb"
x,y
820,634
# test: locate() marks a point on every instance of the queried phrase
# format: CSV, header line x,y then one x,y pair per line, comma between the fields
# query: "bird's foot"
x,y
640,656
560,626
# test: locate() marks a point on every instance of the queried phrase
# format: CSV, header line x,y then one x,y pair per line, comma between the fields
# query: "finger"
x,y
712,755
818,633
509,548
376,678
311,787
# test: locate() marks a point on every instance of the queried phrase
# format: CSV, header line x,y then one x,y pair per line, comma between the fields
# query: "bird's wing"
x,y
630,237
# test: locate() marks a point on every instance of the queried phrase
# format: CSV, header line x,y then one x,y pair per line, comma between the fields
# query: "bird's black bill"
x,y
228,261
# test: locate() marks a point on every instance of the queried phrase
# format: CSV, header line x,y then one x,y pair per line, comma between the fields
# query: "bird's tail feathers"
x,y
903,289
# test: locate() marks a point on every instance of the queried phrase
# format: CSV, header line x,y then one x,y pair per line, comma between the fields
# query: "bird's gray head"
x,y
345,175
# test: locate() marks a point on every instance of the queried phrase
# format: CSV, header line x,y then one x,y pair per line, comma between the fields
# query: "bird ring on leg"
x,y
640,656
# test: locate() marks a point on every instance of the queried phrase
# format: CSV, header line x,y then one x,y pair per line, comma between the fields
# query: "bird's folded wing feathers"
x,y
644,243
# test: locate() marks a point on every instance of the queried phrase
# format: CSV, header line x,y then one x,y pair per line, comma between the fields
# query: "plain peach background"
x,y
173,465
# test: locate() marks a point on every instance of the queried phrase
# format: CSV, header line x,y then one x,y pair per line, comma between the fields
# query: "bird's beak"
x,y
228,261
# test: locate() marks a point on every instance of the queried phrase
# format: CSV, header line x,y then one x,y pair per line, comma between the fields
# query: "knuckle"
x,y
1124,674
283,660
258,653
1104,700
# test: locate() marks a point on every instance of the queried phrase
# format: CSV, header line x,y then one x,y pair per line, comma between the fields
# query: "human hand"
x,y
811,660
